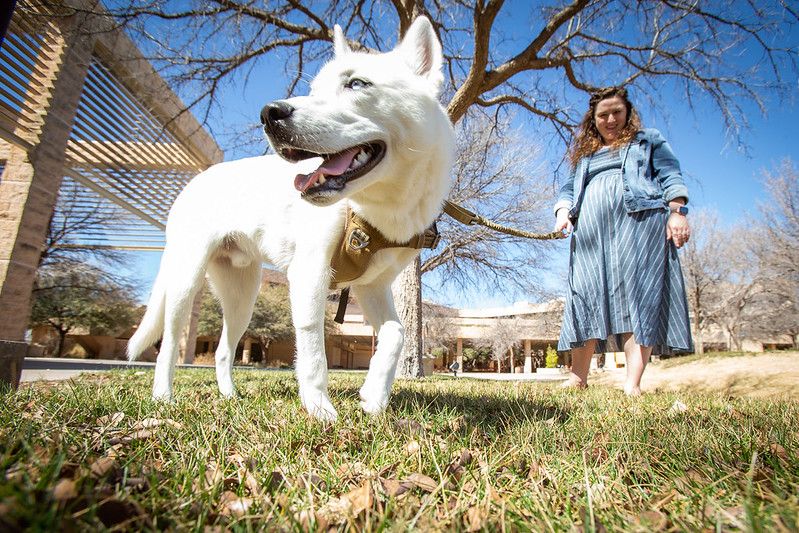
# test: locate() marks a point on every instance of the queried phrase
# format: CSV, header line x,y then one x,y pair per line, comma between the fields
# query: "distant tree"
x,y
738,294
68,299
440,331
777,236
499,174
505,336
706,268
73,218
476,356
209,321
271,318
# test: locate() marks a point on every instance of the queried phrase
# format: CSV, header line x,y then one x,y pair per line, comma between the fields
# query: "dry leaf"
x,y
313,521
677,407
351,470
412,447
112,420
137,483
64,490
422,481
778,451
213,474
360,498
149,423
127,439
469,487
233,505
335,511
113,511
465,458
392,487
653,520
457,424
492,496
251,483
277,479
102,466
411,426
475,518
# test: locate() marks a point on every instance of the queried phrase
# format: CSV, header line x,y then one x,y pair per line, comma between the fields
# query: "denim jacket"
x,y
650,174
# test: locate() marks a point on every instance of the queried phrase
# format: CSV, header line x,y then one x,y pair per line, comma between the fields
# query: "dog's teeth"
x,y
321,179
359,160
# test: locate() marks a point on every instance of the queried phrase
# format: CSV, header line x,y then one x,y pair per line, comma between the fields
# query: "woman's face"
x,y
610,117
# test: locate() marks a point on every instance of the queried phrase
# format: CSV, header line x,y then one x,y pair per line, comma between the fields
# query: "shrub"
x,y
552,357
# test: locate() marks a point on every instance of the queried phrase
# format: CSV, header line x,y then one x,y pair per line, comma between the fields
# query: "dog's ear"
x,y
340,46
422,51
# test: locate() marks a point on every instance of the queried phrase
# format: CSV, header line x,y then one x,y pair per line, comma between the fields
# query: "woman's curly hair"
x,y
588,139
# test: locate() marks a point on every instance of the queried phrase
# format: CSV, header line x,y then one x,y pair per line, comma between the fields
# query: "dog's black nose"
x,y
274,111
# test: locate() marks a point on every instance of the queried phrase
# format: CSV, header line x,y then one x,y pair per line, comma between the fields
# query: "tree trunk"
x,y
407,289
247,351
62,337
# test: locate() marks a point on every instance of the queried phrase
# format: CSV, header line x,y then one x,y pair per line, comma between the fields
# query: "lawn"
x,y
460,455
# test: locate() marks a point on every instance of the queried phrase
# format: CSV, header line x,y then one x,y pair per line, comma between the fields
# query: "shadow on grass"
x,y
488,412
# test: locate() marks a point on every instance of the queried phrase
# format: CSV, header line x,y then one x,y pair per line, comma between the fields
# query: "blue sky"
x,y
719,174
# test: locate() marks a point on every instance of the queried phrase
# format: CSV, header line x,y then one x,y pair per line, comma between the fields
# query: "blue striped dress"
x,y
624,276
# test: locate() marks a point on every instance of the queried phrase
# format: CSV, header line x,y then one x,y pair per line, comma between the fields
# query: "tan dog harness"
x,y
359,243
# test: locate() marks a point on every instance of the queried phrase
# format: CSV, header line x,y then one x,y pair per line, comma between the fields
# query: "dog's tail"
x,y
152,323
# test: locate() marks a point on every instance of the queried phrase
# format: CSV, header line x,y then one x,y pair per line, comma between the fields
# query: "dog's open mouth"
x,y
336,169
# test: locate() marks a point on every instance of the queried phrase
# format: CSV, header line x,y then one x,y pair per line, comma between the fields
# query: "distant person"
x,y
624,203
454,368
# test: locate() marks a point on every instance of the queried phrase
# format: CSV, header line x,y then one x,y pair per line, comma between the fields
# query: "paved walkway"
x,y
61,368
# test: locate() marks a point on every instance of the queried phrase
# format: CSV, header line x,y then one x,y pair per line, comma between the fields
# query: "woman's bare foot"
x,y
632,390
574,383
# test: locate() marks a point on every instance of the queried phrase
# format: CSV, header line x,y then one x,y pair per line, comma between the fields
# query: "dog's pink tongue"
x,y
335,166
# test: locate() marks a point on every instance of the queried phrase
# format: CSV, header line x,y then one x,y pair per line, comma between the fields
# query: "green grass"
x,y
495,455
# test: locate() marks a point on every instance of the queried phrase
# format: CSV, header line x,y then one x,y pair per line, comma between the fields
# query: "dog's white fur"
x,y
236,215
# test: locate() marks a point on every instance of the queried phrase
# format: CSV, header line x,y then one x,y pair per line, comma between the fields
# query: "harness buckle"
x,y
359,239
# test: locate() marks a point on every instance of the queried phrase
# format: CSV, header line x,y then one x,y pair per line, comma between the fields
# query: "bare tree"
x,y
74,218
705,269
738,295
566,49
778,238
440,330
499,174
505,337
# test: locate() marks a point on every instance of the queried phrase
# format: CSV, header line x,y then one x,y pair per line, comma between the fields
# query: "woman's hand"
x,y
678,229
562,222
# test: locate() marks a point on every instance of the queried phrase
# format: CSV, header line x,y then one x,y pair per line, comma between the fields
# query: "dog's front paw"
x,y
162,396
228,392
374,400
318,406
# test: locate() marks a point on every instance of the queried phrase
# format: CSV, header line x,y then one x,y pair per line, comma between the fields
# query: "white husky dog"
x,y
386,148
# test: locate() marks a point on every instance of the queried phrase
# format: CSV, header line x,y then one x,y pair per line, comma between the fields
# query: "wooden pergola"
x,y
84,115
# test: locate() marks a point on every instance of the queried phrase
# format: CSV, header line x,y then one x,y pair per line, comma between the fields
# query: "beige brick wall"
x,y
30,181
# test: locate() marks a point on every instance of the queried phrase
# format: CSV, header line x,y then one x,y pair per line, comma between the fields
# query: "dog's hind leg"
x,y
378,308
308,302
237,289
184,272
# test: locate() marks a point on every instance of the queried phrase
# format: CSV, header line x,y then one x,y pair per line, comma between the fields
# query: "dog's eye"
x,y
357,84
